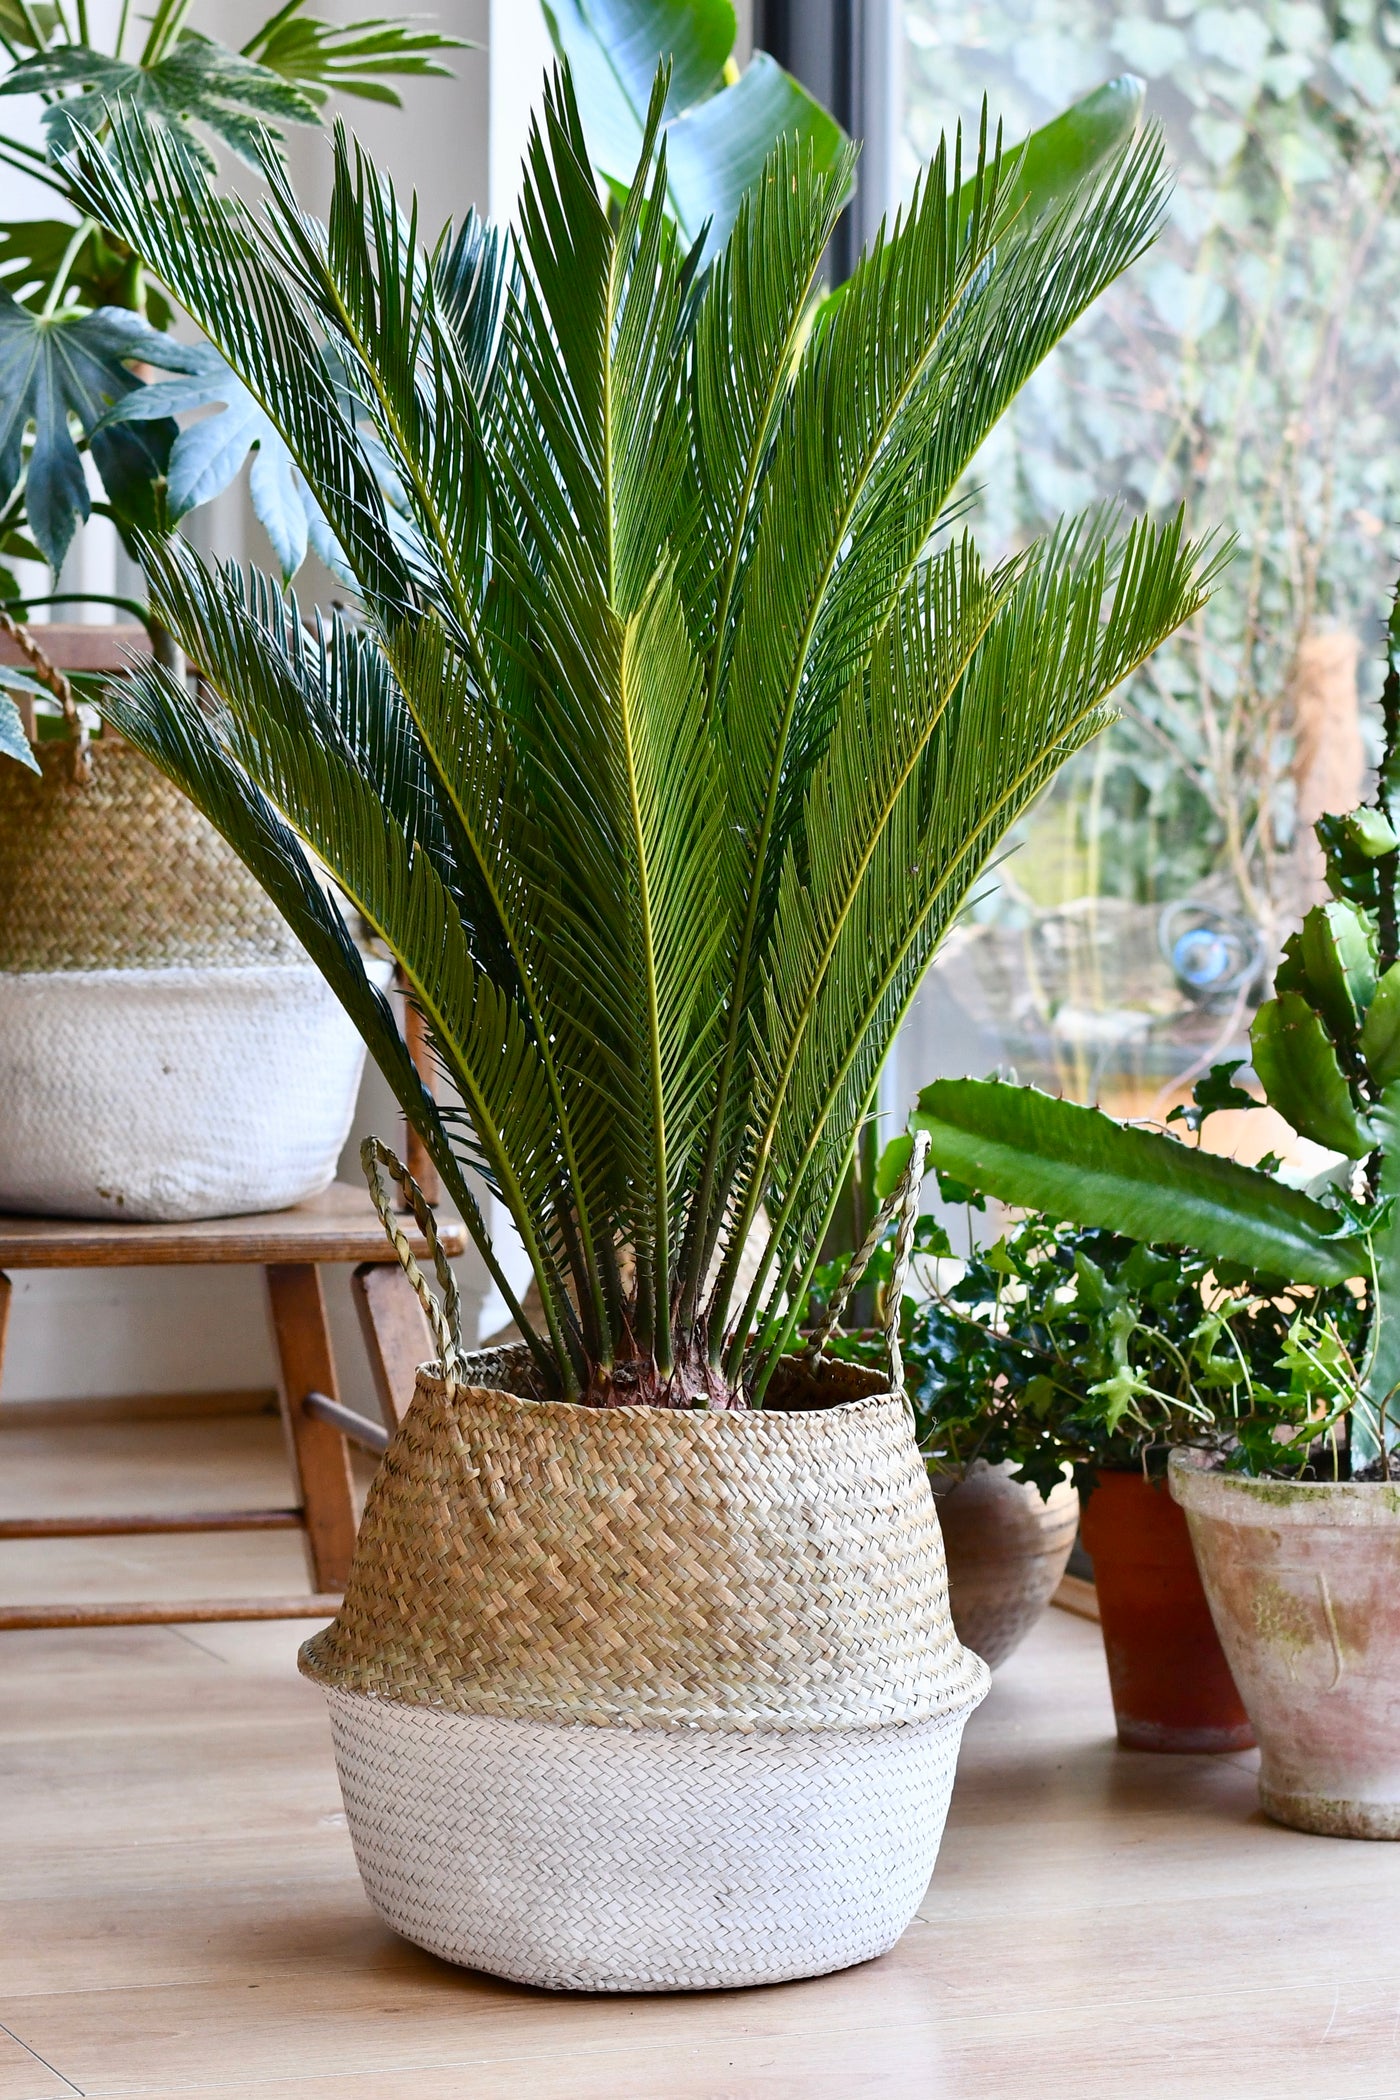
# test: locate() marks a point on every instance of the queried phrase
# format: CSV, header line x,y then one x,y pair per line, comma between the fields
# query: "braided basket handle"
x,y
48,674
904,1199
445,1319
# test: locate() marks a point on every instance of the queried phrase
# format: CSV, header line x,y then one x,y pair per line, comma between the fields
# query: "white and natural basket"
x,y
167,1048
647,1699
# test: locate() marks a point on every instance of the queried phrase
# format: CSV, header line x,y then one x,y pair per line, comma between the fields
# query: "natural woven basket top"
x,y
663,1568
121,872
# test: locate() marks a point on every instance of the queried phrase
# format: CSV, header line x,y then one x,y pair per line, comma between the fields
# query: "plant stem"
x,y
65,268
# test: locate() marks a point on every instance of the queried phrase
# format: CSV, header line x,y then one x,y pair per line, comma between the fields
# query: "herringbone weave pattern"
x,y
121,872
627,1859
644,1566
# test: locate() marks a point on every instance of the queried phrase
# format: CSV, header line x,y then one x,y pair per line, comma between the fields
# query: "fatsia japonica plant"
x,y
80,324
677,717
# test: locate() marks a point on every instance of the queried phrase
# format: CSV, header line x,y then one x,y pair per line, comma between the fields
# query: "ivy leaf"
x,y
207,456
1213,1093
13,741
60,366
199,81
352,57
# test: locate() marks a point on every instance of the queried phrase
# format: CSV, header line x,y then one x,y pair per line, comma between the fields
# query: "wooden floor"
x,y
180,1913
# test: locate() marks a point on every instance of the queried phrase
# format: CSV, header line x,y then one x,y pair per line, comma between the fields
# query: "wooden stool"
x,y
289,1245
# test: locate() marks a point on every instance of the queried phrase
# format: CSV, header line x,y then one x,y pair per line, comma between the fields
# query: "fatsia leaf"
x,y
1028,1149
13,741
206,456
155,192
198,82
353,58
64,366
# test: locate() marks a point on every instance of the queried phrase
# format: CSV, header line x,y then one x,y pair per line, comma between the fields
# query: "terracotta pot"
x,y
1304,1580
1171,1684
1006,1551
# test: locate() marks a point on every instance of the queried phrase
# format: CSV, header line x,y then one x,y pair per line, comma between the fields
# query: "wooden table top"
x,y
338,1225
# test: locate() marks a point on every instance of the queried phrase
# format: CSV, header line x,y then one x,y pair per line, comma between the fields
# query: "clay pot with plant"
x,y
1293,1512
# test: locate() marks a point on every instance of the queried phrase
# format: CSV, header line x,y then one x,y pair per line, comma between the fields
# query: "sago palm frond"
x,y
674,724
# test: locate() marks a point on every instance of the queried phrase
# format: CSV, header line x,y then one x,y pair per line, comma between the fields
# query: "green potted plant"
x,y
661,748
1296,1529
1057,1355
176,1052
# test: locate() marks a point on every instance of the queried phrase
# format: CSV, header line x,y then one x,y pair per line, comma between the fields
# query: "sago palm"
x,y
675,719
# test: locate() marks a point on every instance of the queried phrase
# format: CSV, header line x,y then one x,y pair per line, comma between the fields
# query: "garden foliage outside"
x,y
1243,371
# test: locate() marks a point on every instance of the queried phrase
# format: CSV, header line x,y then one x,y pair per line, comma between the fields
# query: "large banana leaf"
x,y
1029,1149
719,127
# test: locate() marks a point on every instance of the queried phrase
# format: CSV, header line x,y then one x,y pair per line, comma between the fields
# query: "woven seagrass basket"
x,y
167,1048
643,1699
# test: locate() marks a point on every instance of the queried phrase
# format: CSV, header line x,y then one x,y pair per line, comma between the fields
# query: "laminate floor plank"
x,y
180,1917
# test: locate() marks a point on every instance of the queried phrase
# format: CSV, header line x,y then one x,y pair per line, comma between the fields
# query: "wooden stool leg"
x,y
319,1452
396,1334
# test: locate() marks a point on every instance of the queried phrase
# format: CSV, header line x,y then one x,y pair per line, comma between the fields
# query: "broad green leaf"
x,y
32,251
614,48
1298,1070
353,58
1340,961
717,150
13,741
1028,1149
1052,162
718,136
889,1168
61,365
198,82
1380,1031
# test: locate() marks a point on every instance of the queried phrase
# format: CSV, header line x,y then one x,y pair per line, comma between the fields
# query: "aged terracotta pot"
x,y
1171,1684
1303,1578
1006,1551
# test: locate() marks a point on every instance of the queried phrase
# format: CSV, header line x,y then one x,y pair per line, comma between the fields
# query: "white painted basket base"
x,y
172,1094
631,1859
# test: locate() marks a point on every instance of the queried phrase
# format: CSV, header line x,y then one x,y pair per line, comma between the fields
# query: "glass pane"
x,y
1248,366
